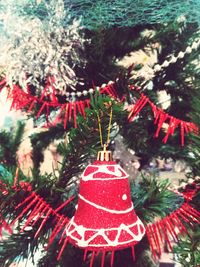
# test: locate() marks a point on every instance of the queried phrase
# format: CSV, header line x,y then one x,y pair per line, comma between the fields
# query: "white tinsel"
x,y
33,48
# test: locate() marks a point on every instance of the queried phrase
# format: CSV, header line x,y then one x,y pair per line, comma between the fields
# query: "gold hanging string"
x,y
109,126
100,130
109,129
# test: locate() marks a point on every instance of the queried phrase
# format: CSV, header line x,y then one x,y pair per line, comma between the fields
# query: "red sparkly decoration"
x,y
162,117
167,230
68,111
37,209
105,219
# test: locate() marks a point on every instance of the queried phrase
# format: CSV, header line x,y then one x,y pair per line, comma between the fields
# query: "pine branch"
x,y
9,145
188,250
41,140
152,198
84,142
17,247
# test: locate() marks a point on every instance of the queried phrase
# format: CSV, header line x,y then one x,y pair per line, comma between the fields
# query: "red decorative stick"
x,y
137,107
64,204
112,258
149,236
62,249
43,223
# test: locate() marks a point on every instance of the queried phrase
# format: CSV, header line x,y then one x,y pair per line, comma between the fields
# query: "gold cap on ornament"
x,y
104,155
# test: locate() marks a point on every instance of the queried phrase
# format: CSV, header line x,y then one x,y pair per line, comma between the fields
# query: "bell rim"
x,y
103,247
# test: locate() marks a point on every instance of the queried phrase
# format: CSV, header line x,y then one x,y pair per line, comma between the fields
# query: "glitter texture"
x,y
105,218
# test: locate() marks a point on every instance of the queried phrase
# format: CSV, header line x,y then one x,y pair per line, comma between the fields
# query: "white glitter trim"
x,y
102,232
105,209
118,171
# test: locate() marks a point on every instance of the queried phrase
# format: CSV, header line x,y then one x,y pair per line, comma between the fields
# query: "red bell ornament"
x,y
105,219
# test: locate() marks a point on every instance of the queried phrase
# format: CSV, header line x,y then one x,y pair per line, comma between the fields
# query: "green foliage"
x,y
105,47
188,250
40,142
84,141
152,198
5,175
108,45
194,156
9,144
18,246
81,146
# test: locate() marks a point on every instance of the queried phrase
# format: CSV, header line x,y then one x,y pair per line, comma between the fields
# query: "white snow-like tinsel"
x,y
34,48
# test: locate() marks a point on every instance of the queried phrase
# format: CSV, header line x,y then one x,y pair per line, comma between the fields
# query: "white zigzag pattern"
x,y
102,232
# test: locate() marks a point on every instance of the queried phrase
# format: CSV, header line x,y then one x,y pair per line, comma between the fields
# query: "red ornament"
x,y
105,219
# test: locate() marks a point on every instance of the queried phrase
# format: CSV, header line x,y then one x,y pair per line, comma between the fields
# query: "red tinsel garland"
x,y
167,229
162,117
164,231
68,111
38,209
158,233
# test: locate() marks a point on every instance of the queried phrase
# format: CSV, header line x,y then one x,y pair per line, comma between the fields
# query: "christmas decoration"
x,y
167,230
147,59
161,118
51,85
68,111
36,51
65,112
41,79
188,190
105,219
40,210
173,59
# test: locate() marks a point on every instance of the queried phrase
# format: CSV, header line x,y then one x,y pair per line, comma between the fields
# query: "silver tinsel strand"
x,y
35,48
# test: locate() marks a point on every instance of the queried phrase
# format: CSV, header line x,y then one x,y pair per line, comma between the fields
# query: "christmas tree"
x,y
120,78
